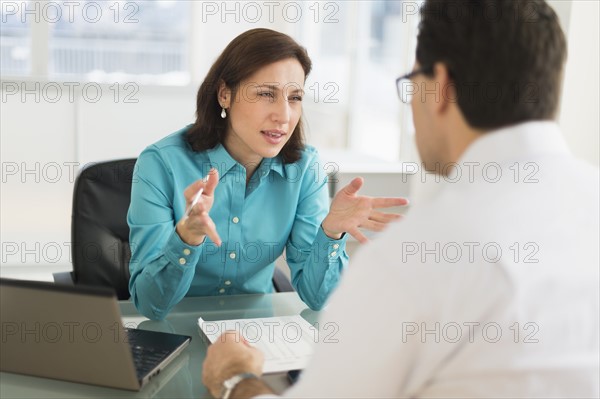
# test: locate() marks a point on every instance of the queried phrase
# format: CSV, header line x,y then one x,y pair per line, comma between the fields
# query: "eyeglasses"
x,y
406,87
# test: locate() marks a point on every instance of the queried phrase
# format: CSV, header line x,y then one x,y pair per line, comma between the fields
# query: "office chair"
x,y
100,233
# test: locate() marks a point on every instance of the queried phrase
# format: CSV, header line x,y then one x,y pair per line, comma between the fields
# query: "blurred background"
x,y
87,81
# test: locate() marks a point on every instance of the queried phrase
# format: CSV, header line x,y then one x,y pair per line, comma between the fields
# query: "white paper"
x,y
286,341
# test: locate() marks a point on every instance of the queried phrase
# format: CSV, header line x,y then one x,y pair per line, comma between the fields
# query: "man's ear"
x,y
224,95
446,92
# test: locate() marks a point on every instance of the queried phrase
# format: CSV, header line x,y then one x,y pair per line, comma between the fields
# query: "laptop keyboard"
x,y
145,358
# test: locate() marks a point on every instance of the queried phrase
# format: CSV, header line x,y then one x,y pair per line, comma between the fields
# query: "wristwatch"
x,y
231,383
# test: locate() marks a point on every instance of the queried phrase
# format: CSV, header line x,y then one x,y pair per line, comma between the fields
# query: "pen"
x,y
196,198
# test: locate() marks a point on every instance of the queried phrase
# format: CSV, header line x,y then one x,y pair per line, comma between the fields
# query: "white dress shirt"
x,y
490,289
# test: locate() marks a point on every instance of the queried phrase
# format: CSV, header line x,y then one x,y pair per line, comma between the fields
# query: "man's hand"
x,y
229,355
350,211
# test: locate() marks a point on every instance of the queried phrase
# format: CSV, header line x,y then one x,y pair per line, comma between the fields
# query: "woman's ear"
x,y
224,95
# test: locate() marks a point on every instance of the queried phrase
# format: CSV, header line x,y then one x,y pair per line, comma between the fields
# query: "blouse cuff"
x,y
180,253
330,248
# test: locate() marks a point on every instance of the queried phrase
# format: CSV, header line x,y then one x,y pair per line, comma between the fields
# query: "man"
x,y
490,289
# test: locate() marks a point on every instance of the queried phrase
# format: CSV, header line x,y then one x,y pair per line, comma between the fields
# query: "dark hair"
x,y
505,57
245,55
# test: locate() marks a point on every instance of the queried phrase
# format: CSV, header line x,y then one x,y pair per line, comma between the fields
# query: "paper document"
x,y
285,341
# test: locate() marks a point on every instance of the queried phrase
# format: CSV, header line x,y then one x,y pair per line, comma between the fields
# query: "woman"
x,y
262,193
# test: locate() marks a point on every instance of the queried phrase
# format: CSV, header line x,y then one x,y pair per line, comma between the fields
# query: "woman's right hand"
x,y
194,228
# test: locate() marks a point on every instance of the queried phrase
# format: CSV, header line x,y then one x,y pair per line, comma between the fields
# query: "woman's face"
x,y
264,112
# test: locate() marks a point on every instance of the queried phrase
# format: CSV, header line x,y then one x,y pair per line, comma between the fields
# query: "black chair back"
x,y
99,230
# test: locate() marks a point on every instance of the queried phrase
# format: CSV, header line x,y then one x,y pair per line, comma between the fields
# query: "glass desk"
x,y
183,377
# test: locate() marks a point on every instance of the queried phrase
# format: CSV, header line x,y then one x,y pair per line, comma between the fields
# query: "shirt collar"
x,y
220,159
522,141
275,164
224,162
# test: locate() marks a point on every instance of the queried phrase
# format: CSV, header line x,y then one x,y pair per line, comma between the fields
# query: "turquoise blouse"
x,y
281,207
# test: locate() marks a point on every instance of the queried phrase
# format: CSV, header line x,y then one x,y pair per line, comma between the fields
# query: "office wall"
x,y
48,135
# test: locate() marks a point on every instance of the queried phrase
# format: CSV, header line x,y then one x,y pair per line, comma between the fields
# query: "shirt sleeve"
x,y
315,260
162,265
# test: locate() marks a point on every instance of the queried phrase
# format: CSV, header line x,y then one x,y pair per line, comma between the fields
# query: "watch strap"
x,y
230,384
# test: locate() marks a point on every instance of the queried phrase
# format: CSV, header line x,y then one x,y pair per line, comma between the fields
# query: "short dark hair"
x,y
245,55
505,57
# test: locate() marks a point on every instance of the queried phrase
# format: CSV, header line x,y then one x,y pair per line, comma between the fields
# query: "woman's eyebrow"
x,y
278,88
267,86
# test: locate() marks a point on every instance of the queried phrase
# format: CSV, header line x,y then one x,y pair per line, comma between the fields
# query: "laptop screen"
x,y
73,333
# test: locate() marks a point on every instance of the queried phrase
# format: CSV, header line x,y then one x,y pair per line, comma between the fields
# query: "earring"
x,y
223,113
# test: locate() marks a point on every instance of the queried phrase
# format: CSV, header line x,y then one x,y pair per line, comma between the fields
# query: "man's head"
x,y
488,64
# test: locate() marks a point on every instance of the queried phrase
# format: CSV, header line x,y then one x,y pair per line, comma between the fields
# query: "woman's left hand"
x,y
350,211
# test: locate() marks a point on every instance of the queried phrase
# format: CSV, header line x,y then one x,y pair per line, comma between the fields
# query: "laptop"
x,y
75,333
